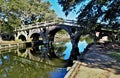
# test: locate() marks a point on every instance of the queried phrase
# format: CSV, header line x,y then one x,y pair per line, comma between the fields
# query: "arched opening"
x,y
22,50
105,36
7,37
12,38
22,37
62,43
61,35
35,37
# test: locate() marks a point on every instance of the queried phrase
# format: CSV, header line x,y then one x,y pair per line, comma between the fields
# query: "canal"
x,y
37,62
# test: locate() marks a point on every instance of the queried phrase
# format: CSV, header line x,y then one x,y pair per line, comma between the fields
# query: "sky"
x,y
58,9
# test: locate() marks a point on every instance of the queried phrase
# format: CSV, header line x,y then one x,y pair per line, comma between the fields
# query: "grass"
x,y
88,40
116,55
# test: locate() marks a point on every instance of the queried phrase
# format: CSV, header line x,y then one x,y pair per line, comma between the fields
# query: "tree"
x,y
95,12
16,12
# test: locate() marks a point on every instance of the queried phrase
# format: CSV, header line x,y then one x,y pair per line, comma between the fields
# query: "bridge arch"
x,y
22,50
50,31
110,36
53,31
72,31
35,36
22,37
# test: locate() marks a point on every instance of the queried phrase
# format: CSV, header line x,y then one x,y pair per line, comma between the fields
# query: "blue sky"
x,y
58,9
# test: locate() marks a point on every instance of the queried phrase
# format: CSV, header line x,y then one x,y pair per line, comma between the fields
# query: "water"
x,y
81,45
36,62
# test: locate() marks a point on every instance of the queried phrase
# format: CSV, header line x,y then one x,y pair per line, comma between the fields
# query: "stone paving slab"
x,y
97,64
87,72
82,70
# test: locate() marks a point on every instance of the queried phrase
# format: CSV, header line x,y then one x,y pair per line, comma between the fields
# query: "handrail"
x,y
45,24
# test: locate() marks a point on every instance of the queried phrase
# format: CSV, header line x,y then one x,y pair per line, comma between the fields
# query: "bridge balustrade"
x,y
46,24
70,22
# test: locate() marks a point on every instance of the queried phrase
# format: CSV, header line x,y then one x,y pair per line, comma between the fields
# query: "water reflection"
x,y
59,74
23,68
68,48
82,45
38,61
12,66
25,64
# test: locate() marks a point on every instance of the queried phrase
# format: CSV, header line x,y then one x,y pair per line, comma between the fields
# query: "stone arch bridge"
x,y
46,31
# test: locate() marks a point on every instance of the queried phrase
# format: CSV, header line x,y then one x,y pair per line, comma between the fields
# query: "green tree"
x,y
96,14
15,11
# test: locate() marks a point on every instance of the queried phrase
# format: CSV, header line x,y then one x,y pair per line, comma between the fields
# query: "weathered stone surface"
x,y
97,64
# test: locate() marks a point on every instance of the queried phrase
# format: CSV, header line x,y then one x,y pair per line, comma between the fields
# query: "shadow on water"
x,y
39,61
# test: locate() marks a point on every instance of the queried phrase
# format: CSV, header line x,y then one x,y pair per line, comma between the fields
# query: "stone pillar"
x,y
15,35
0,38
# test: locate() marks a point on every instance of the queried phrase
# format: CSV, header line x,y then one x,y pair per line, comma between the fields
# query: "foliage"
x,y
115,55
87,38
62,32
96,14
13,13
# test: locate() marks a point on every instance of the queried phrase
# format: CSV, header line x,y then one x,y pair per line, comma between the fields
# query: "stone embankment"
x,y
11,44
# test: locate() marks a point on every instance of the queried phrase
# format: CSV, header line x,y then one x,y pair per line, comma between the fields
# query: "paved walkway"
x,y
83,70
95,65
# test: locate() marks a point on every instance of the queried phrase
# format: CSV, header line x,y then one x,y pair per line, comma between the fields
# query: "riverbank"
x,y
99,62
61,37
11,44
6,42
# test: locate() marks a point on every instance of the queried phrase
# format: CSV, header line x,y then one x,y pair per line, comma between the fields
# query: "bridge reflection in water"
x,y
37,62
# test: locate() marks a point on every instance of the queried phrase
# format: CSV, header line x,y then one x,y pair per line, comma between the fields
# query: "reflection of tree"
x,y
60,50
2,67
24,68
26,63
